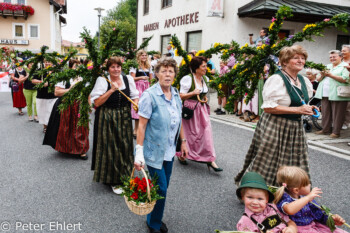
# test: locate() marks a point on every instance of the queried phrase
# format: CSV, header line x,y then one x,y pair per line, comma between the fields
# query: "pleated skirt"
x,y
71,138
113,145
277,142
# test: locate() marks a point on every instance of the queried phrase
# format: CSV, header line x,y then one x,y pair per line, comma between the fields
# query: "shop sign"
x,y
215,8
151,27
182,20
14,42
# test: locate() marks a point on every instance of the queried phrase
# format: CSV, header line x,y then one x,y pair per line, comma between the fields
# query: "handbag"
x,y
187,113
343,91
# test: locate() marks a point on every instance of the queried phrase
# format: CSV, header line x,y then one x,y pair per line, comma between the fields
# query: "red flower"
x,y
134,196
137,180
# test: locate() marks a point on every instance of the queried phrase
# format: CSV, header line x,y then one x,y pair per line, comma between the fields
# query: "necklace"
x,y
295,80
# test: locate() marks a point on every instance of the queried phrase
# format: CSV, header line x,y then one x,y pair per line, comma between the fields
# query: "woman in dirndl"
x,y
112,155
279,137
63,133
142,76
198,131
45,100
18,77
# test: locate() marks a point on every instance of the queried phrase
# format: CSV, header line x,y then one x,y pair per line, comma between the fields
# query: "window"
x,y
145,7
7,1
33,30
341,40
18,30
194,40
166,3
164,43
21,2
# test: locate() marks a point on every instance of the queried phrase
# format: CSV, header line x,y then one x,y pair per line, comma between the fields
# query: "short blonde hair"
x,y
288,53
290,177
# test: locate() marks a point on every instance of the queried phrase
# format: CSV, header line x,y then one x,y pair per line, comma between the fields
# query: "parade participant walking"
x,y
279,137
333,106
112,155
159,129
198,131
30,93
346,58
142,74
44,100
18,77
63,133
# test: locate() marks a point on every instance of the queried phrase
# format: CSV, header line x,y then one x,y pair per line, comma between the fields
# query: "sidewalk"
x,y
339,145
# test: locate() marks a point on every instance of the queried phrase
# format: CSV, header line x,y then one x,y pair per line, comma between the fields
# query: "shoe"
x,y
344,127
348,143
320,132
163,228
117,190
216,169
239,114
84,157
217,110
182,162
36,119
333,135
221,113
151,230
30,118
21,113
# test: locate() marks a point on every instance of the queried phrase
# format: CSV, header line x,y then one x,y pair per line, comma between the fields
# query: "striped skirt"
x,y
71,138
277,142
113,145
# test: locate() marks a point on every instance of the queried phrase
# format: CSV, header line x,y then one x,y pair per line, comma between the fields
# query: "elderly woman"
x,y
279,138
159,129
333,106
142,74
198,130
63,133
112,155
346,58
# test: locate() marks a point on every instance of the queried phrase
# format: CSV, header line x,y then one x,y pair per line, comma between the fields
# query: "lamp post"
x,y
99,10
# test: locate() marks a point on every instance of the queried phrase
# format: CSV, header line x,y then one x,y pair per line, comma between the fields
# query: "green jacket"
x,y
339,70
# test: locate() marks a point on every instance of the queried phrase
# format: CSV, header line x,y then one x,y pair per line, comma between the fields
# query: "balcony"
x,y
14,10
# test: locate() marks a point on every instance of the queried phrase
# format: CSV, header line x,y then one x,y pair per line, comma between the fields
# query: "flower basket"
x,y
18,13
7,12
137,186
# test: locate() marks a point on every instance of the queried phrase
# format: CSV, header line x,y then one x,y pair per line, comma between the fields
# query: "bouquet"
x,y
140,194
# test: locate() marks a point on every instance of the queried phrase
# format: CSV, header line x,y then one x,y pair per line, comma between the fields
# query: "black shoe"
x,y
163,228
151,230
182,162
221,113
84,157
216,169
217,110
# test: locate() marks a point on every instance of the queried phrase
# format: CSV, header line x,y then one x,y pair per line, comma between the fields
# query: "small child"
x,y
259,216
294,198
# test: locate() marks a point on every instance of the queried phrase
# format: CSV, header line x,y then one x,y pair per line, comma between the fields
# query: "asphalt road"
x,y
45,189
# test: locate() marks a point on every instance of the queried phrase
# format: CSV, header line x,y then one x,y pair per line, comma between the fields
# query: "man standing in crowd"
x,y
262,37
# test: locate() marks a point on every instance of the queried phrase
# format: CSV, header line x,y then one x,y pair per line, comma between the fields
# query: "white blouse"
x,y
101,87
275,92
71,81
186,82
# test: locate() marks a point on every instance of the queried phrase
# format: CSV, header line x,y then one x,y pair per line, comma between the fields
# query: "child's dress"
x,y
310,219
272,218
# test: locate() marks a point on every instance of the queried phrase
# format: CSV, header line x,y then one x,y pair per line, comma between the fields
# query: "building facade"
x,y
79,46
200,23
24,31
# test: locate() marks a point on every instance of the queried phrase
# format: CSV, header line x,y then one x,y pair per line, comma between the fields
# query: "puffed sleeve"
x,y
99,89
286,199
132,70
61,84
345,74
145,105
134,93
185,84
274,90
310,89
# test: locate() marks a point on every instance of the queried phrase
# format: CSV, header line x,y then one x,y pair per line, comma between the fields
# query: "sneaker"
x,y
30,118
217,110
117,190
221,113
344,127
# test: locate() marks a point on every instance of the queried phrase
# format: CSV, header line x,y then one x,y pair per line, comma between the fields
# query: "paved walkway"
x,y
338,145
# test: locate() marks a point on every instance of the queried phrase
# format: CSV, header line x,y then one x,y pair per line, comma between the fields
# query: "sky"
x,y
81,13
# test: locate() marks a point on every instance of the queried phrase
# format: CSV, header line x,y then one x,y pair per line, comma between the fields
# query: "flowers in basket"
x,y
135,189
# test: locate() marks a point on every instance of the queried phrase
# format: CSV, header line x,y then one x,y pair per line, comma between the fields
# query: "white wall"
x,y
223,30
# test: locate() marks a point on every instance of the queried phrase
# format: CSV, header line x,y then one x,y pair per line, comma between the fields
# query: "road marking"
x,y
314,146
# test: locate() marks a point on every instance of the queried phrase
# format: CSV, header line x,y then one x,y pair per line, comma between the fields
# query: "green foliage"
x,y
317,66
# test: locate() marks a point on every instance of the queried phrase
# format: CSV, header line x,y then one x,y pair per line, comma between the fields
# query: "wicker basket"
x,y
142,208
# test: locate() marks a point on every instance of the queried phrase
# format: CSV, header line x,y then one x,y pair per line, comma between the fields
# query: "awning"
x,y
303,11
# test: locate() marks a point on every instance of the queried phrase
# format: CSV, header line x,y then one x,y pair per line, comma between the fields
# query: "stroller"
x,y
315,121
